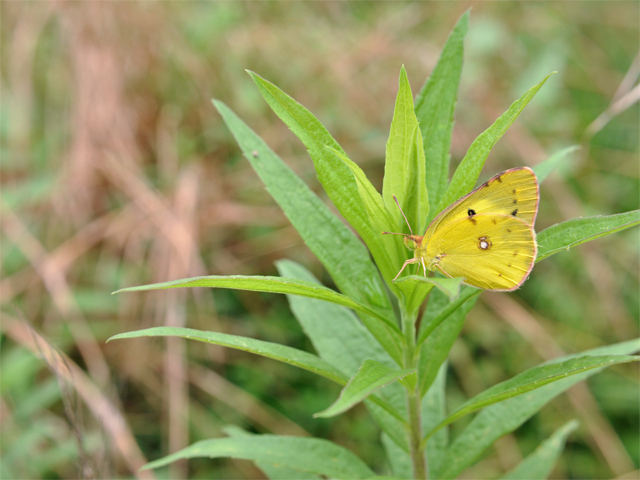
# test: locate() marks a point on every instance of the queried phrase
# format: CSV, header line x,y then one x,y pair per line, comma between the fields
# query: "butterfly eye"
x,y
484,243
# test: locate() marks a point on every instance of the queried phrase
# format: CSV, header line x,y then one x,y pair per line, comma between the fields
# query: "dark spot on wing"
x,y
515,253
471,212
499,179
515,212
515,201
514,191
494,221
508,230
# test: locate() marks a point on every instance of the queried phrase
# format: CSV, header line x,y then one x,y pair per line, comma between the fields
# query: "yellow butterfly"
x,y
487,236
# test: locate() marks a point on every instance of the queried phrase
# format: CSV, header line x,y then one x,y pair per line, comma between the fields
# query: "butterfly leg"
x,y
424,266
411,260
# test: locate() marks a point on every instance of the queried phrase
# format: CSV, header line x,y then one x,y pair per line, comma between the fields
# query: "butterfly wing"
x,y
491,251
513,192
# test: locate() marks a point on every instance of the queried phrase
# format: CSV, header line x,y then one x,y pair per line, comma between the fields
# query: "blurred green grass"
x,y
114,164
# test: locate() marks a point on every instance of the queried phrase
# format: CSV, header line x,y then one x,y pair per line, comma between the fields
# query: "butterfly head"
x,y
412,242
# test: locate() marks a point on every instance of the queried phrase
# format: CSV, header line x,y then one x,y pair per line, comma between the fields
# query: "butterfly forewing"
x,y
513,192
491,251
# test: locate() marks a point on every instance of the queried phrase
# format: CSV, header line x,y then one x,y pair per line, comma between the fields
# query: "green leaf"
x,y
499,419
265,284
370,377
434,109
312,455
338,181
416,197
271,470
442,322
532,379
420,286
404,169
438,311
340,251
544,169
467,173
538,465
282,353
334,331
434,410
399,460
389,424
340,339
577,231
388,253
449,286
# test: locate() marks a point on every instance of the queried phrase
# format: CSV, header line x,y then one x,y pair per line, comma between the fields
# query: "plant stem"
x,y
418,459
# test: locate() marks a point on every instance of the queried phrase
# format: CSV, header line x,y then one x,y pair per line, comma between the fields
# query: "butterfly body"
x,y
487,236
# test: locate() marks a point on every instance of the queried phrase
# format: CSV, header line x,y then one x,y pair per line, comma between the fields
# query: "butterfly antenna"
x,y
405,217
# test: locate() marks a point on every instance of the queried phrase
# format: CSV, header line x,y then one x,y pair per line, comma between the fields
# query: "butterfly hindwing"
x,y
491,251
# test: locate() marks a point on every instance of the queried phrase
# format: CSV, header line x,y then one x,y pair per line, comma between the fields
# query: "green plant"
x,y
382,354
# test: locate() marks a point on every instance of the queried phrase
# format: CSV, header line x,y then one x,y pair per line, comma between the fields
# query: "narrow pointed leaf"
x,y
434,410
438,312
577,231
444,321
388,253
539,464
275,351
532,379
271,470
467,173
420,286
282,353
313,455
434,107
416,198
340,339
544,169
399,460
370,377
402,173
334,331
501,418
396,429
341,187
265,284
449,286
340,251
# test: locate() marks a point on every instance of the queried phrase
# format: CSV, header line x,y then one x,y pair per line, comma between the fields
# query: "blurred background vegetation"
x,y
117,171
